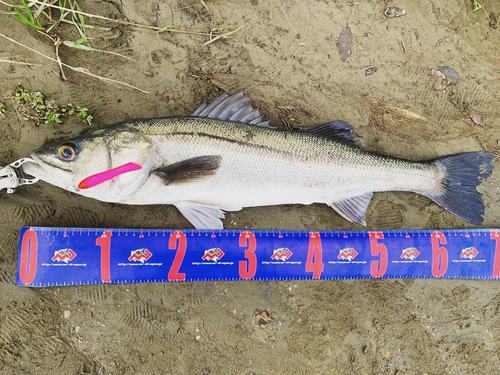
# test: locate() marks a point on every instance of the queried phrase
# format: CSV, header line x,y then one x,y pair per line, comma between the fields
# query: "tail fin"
x,y
463,173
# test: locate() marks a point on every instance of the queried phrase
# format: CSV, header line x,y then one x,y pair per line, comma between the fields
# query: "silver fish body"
x,y
263,166
204,165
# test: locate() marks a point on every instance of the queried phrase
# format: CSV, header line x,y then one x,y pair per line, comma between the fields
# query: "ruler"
x,y
78,256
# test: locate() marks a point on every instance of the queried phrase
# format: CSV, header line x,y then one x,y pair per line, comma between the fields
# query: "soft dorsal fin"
x,y
236,107
201,216
354,209
190,169
338,130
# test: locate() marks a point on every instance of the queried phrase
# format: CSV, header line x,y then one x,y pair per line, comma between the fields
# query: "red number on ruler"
x,y
173,274
104,242
439,254
495,235
315,265
29,252
378,267
248,268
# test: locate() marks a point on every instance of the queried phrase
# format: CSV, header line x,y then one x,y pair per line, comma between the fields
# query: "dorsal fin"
x,y
236,107
338,130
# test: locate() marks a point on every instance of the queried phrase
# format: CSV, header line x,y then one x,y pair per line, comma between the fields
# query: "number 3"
x,y
248,273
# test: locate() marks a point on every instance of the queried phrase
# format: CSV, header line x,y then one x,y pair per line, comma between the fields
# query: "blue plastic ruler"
x,y
76,256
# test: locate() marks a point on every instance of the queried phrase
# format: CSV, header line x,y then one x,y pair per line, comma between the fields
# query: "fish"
x,y
225,156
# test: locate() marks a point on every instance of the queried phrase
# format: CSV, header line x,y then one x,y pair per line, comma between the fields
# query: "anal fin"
x,y
201,216
353,209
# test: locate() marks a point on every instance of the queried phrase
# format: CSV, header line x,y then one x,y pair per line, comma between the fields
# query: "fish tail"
x,y
462,174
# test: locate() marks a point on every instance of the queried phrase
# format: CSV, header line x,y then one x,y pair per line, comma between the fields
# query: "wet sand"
x,y
288,58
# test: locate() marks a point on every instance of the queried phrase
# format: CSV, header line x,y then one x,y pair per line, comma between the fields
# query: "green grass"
x,y
46,19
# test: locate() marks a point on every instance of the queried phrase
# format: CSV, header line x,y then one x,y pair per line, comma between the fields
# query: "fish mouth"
x,y
45,171
33,168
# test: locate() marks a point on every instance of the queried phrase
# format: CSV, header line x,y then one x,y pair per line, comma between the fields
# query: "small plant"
x,y
41,109
477,4
2,109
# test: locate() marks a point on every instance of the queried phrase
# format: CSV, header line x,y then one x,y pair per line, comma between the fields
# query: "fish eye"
x,y
68,151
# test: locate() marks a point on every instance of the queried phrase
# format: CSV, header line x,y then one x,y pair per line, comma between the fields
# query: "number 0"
x,y
29,253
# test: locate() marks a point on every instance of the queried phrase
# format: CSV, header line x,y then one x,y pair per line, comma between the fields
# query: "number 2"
x,y
173,274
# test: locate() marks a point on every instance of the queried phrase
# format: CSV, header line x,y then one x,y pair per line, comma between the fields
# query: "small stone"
x,y
66,314
393,12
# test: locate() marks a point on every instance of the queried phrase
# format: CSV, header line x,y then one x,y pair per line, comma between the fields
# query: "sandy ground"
x,y
379,326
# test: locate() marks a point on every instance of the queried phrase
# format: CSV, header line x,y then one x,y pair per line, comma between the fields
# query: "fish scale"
x,y
167,255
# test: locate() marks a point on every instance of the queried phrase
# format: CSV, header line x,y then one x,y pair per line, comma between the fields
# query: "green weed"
x,y
35,107
477,4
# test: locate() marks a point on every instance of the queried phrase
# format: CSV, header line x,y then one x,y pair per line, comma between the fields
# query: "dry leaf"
x,y
476,119
263,318
345,43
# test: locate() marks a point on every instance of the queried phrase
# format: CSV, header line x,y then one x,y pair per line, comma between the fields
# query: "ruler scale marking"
x,y
68,256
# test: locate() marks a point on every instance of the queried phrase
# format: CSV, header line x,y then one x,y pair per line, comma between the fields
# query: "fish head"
x,y
67,163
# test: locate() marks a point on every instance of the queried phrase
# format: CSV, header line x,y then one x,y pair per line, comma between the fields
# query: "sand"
x,y
289,48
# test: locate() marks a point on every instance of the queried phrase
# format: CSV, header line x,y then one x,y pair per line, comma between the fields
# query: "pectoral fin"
x,y
201,216
190,169
353,209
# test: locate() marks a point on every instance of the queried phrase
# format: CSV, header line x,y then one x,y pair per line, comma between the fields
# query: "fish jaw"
x,y
48,173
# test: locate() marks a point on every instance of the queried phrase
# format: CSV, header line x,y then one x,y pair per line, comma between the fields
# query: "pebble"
x,y
393,12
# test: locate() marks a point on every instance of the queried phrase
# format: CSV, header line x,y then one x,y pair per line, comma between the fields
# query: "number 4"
x,y
314,261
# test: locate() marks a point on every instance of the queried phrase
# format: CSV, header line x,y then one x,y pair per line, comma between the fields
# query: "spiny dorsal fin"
x,y
338,130
236,107
190,169
353,209
201,216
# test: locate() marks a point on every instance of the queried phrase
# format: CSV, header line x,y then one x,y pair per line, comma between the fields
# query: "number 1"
x,y
104,242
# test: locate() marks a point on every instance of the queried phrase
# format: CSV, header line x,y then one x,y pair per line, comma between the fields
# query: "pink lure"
x,y
99,178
